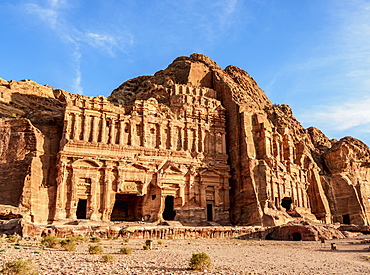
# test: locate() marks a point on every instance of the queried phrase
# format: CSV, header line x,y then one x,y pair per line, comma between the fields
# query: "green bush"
x,y
95,249
68,244
159,242
200,261
21,267
50,241
126,240
95,240
146,247
108,258
126,250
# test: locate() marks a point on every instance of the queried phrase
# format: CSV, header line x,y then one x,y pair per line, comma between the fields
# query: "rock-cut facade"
x,y
192,143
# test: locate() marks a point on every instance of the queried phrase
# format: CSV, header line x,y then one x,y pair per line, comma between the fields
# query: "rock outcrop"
x,y
192,143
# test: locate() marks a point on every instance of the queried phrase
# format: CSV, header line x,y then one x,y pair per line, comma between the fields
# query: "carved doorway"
x,y
126,208
297,236
346,219
209,212
169,213
286,203
81,209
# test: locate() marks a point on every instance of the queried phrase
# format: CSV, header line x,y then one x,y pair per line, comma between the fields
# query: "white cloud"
x,y
47,15
341,117
107,42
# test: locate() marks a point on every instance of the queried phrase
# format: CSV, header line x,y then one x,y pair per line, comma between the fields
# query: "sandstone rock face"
x,y
191,143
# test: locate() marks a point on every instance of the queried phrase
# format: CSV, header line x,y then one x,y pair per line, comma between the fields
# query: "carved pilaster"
x,y
112,138
103,129
73,197
121,139
77,127
60,209
108,178
95,130
92,211
86,131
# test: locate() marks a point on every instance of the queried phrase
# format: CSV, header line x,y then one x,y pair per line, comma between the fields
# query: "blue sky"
x,y
311,54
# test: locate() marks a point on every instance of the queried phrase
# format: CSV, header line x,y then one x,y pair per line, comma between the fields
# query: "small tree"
x,y
200,261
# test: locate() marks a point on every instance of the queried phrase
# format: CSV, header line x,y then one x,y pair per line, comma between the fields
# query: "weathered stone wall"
x,y
154,158
193,143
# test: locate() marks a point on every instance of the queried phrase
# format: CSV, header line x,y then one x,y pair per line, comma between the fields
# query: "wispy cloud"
x,y
341,117
52,14
352,53
337,72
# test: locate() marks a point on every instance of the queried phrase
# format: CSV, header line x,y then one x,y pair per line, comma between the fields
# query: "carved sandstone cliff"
x,y
193,143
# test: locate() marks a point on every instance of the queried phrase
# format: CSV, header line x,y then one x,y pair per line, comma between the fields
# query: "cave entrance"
x,y
286,203
81,209
346,219
297,236
169,213
126,208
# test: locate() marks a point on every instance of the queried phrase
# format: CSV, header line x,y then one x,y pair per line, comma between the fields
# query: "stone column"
x,y
77,127
112,139
173,137
133,131
186,138
74,201
94,130
223,137
202,192
86,131
200,138
182,194
144,133
121,132
103,129
106,195
68,126
195,140
60,209
92,211
218,194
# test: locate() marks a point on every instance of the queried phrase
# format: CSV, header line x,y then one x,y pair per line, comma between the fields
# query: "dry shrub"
x,y
200,261
95,249
108,258
21,267
68,244
50,241
126,250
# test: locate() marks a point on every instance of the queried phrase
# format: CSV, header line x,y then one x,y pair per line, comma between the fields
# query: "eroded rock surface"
x,y
192,143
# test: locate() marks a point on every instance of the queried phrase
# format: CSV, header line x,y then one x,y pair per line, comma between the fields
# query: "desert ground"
x,y
229,256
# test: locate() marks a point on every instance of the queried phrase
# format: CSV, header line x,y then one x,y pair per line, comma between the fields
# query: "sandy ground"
x,y
230,256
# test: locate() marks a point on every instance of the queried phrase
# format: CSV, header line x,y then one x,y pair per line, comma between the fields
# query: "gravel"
x,y
229,256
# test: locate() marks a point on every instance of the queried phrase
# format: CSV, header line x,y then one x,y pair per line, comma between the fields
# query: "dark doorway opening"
x,y
81,209
126,208
268,236
346,219
286,203
297,236
209,212
168,213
